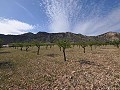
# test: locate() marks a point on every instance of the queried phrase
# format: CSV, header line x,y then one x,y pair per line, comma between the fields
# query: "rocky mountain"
x,y
110,36
52,37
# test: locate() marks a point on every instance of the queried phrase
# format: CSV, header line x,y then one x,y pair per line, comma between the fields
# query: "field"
x,y
94,70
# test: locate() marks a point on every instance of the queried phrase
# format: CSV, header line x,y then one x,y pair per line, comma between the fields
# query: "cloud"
x,y
67,15
58,20
21,6
60,13
11,26
89,17
96,26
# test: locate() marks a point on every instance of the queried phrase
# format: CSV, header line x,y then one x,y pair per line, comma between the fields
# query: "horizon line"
x,y
61,32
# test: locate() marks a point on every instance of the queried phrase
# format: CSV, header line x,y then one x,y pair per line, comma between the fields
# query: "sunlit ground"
x,y
97,69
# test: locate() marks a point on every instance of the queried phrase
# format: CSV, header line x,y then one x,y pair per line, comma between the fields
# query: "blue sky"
x,y
89,17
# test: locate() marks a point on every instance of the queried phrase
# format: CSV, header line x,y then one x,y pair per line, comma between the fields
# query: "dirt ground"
x,y
94,70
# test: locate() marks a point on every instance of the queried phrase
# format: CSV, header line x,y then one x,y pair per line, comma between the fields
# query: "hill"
x,y
52,37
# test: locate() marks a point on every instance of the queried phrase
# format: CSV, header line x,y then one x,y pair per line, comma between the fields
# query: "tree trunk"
x,y
64,54
84,49
117,46
91,48
21,48
27,49
46,47
60,48
73,46
38,50
50,46
95,47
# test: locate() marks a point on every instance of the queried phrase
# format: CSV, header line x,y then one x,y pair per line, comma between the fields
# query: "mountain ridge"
x,y
52,37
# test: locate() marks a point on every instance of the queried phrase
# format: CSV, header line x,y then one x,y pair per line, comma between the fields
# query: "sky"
x,y
88,17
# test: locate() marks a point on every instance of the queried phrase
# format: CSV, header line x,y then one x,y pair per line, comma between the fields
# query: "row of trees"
x,y
32,44
63,45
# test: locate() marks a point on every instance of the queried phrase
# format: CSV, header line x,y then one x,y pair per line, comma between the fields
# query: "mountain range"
x,y
52,37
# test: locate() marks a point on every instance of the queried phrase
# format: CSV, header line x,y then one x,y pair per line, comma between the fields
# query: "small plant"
x,y
64,44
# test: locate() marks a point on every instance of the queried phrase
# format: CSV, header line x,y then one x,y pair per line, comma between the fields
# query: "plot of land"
x,y
94,70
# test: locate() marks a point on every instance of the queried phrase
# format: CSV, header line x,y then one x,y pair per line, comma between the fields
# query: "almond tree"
x,y
73,44
27,45
14,45
64,44
97,44
46,45
84,45
91,44
116,43
38,45
51,45
59,45
21,45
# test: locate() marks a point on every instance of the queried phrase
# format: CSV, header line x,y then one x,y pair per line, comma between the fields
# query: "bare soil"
x,y
94,70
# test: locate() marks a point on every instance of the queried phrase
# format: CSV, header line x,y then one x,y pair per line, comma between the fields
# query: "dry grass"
x,y
95,70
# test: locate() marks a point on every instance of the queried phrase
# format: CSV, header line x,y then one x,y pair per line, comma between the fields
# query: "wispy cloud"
x,y
63,14
90,17
58,18
11,26
96,26
21,6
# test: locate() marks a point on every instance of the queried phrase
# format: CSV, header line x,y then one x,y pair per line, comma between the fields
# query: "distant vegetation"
x,y
1,43
63,45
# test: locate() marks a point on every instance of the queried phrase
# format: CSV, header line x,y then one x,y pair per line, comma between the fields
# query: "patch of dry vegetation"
x,y
94,70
